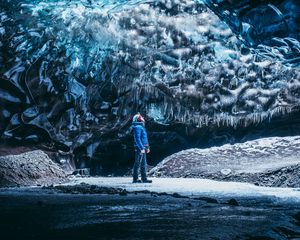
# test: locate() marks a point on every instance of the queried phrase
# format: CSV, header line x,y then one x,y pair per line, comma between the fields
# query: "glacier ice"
x,y
87,66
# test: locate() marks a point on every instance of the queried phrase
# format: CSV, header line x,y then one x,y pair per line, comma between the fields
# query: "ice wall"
x,y
74,72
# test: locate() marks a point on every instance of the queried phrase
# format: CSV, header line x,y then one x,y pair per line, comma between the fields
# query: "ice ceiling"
x,y
75,71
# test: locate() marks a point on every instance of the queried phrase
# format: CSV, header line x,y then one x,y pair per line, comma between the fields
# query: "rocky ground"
x,y
281,177
29,168
265,162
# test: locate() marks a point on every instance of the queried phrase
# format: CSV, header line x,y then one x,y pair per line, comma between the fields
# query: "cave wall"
x,y
73,74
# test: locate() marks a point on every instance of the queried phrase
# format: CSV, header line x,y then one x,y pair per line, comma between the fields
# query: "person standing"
x,y
142,147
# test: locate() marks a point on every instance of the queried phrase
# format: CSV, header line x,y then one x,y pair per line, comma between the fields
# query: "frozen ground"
x,y
195,187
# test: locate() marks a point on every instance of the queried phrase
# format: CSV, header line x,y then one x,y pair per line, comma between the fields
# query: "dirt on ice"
x,y
271,161
29,168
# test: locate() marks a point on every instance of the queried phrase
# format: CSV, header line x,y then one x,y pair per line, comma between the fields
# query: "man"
x,y
141,146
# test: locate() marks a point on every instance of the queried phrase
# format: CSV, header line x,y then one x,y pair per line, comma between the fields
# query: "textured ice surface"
x,y
76,71
271,26
175,56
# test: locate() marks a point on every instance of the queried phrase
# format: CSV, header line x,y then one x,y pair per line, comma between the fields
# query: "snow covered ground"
x,y
196,187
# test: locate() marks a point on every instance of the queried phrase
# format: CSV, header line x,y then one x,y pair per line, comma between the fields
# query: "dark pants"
x,y
140,163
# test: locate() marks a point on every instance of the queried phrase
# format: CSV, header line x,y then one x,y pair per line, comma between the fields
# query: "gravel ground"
x,y
30,168
270,161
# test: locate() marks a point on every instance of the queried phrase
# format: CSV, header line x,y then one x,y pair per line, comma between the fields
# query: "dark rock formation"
x,y
233,202
74,74
84,188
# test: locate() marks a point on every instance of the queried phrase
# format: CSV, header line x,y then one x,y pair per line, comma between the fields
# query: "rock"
x,y
30,168
177,195
84,188
297,216
207,199
226,171
162,194
123,192
82,172
233,202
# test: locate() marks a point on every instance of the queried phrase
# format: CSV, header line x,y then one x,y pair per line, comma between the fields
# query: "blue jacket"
x,y
140,136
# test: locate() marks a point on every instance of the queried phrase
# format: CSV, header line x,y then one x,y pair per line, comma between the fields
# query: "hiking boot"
x,y
136,181
147,181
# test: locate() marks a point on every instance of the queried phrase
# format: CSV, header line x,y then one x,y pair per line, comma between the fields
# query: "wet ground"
x,y
49,214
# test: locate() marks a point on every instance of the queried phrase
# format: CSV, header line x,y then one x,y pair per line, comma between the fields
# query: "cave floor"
x,y
45,213
194,187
